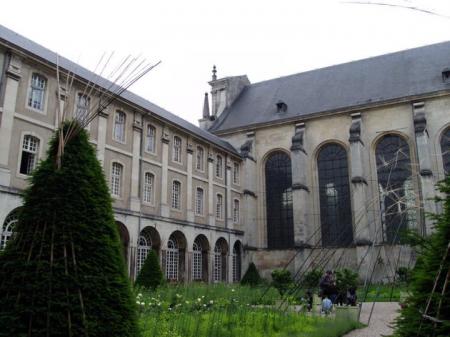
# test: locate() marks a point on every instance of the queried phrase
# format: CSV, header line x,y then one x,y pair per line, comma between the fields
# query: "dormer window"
x,y
281,106
446,75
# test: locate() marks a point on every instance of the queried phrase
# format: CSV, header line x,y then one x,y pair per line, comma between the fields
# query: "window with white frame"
x,y
219,166
149,181
119,126
197,260
176,149
200,159
176,195
236,211
82,107
29,155
36,94
236,173
6,231
219,206
172,259
144,248
199,201
116,179
217,263
150,139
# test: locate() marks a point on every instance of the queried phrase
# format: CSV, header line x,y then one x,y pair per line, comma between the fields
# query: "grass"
x,y
226,311
382,293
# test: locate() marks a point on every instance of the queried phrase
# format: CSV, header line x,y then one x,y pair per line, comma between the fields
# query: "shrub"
x,y
403,274
346,279
312,278
281,280
63,272
150,275
251,277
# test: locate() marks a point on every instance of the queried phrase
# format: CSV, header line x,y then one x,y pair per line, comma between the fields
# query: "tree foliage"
x,y
150,276
251,276
281,280
415,319
63,273
312,278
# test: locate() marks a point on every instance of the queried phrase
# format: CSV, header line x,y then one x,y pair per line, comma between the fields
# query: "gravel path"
x,y
383,315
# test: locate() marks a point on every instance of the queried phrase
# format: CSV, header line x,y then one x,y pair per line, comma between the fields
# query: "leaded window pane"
x,y
219,166
172,260
200,159
334,189
82,107
119,127
199,201
37,92
217,263
144,247
116,179
280,223
236,211
177,149
197,262
151,138
445,148
149,181
236,173
236,269
176,190
7,229
219,206
30,149
397,195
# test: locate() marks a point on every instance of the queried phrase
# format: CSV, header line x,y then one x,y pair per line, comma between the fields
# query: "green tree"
x,y
251,276
150,275
281,280
431,268
63,273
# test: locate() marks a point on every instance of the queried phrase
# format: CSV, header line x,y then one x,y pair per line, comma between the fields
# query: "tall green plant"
x,y
150,275
427,313
63,274
251,276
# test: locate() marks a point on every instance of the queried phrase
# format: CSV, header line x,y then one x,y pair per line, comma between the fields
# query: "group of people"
x,y
331,294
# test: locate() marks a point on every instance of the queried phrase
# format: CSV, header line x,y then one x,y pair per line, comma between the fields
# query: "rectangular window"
x,y
116,179
219,206
236,173
82,107
219,166
149,180
177,149
30,149
200,159
176,193
119,127
236,211
199,202
36,93
151,139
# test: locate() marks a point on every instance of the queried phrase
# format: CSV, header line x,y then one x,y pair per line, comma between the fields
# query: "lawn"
x,y
226,310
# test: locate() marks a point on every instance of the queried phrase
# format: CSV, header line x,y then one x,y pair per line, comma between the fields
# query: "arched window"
x,y
236,211
144,247
8,228
280,224
172,260
176,194
119,126
197,262
149,182
217,263
36,94
116,179
445,149
219,166
334,190
176,149
29,155
199,201
200,160
219,206
397,195
150,139
236,262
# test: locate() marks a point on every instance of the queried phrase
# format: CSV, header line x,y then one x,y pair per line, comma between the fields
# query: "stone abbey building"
x,y
321,168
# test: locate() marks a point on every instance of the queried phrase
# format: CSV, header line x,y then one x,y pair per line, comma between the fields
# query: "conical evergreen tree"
x,y
150,275
251,276
432,251
63,273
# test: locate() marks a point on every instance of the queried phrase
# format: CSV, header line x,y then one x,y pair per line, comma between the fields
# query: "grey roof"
x,y
15,40
351,85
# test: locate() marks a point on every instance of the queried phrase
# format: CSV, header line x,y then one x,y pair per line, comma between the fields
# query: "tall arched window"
x,y
144,247
397,195
6,231
217,263
199,201
149,182
176,149
200,159
219,206
219,166
236,262
116,179
334,190
150,139
172,259
280,224
445,149
197,261
176,194
236,210
119,126
36,92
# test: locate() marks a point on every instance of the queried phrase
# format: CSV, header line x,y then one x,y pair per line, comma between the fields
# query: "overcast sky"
x,y
262,39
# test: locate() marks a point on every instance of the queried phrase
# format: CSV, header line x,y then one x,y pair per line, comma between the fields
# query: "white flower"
x,y
232,290
138,303
187,302
211,302
199,299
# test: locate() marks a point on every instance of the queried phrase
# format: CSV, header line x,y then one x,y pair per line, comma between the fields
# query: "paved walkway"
x,y
383,315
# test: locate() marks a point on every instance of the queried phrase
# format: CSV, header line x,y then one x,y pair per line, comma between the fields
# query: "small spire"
x,y
214,73
206,107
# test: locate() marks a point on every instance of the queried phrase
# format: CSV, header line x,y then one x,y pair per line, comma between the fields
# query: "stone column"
x,y
361,230
13,75
248,183
211,211
230,264
229,201
300,189
101,135
165,212
135,201
190,192
427,183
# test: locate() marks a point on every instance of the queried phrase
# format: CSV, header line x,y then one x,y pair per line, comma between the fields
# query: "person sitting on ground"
x,y
351,296
327,305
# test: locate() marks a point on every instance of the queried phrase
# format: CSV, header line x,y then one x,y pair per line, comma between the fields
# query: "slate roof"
x,y
15,40
355,84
